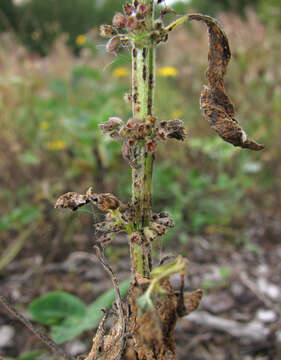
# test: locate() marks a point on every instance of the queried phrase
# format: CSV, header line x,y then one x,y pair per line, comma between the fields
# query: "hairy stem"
x,y
143,58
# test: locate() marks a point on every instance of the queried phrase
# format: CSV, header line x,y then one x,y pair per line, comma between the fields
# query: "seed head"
x,y
171,129
107,31
113,44
149,234
112,126
119,20
166,221
142,11
151,120
150,146
105,201
159,228
176,129
132,23
136,238
158,24
128,9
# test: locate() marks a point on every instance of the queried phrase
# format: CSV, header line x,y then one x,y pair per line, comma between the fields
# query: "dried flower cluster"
x,y
73,200
149,130
134,20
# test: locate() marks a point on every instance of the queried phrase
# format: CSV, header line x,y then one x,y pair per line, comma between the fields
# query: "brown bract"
x,y
111,126
105,201
119,20
216,106
173,129
192,301
113,44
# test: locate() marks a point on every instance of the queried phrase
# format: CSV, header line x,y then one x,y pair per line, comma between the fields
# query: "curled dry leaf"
x,y
192,301
71,200
216,106
105,201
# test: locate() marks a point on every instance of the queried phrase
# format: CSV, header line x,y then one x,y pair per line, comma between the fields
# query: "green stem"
x,y
177,23
143,59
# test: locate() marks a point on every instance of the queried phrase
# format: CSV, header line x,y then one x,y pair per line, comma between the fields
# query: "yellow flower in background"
x,y
56,145
80,40
167,71
176,114
120,71
44,125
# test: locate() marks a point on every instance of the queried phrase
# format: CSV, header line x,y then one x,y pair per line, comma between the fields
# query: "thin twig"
x,y
98,338
44,338
105,264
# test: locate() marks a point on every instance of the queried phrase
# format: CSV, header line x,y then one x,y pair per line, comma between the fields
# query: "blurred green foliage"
x,y
51,143
270,11
8,15
68,315
39,22
31,355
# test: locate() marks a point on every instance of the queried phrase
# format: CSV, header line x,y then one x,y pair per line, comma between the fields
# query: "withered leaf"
x,y
216,106
192,301
105,201
71,200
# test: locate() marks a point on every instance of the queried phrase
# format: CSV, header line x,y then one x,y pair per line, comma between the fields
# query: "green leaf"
x,y
72,327
86,71
54,307
31,355
225,272
121,60
18,217
30,159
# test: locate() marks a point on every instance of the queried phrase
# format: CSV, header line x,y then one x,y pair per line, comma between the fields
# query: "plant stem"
x,y
143,59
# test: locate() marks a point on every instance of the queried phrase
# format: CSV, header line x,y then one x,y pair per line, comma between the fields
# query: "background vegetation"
x,y
50,108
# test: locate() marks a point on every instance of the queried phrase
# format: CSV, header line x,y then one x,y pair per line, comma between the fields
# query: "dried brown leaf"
x,y
71,200
216,106
105,201
192,300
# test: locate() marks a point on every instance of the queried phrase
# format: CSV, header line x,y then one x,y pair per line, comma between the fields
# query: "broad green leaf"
x,y
54,307
72,327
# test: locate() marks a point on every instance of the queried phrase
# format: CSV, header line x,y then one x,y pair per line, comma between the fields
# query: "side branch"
x,y
121,336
